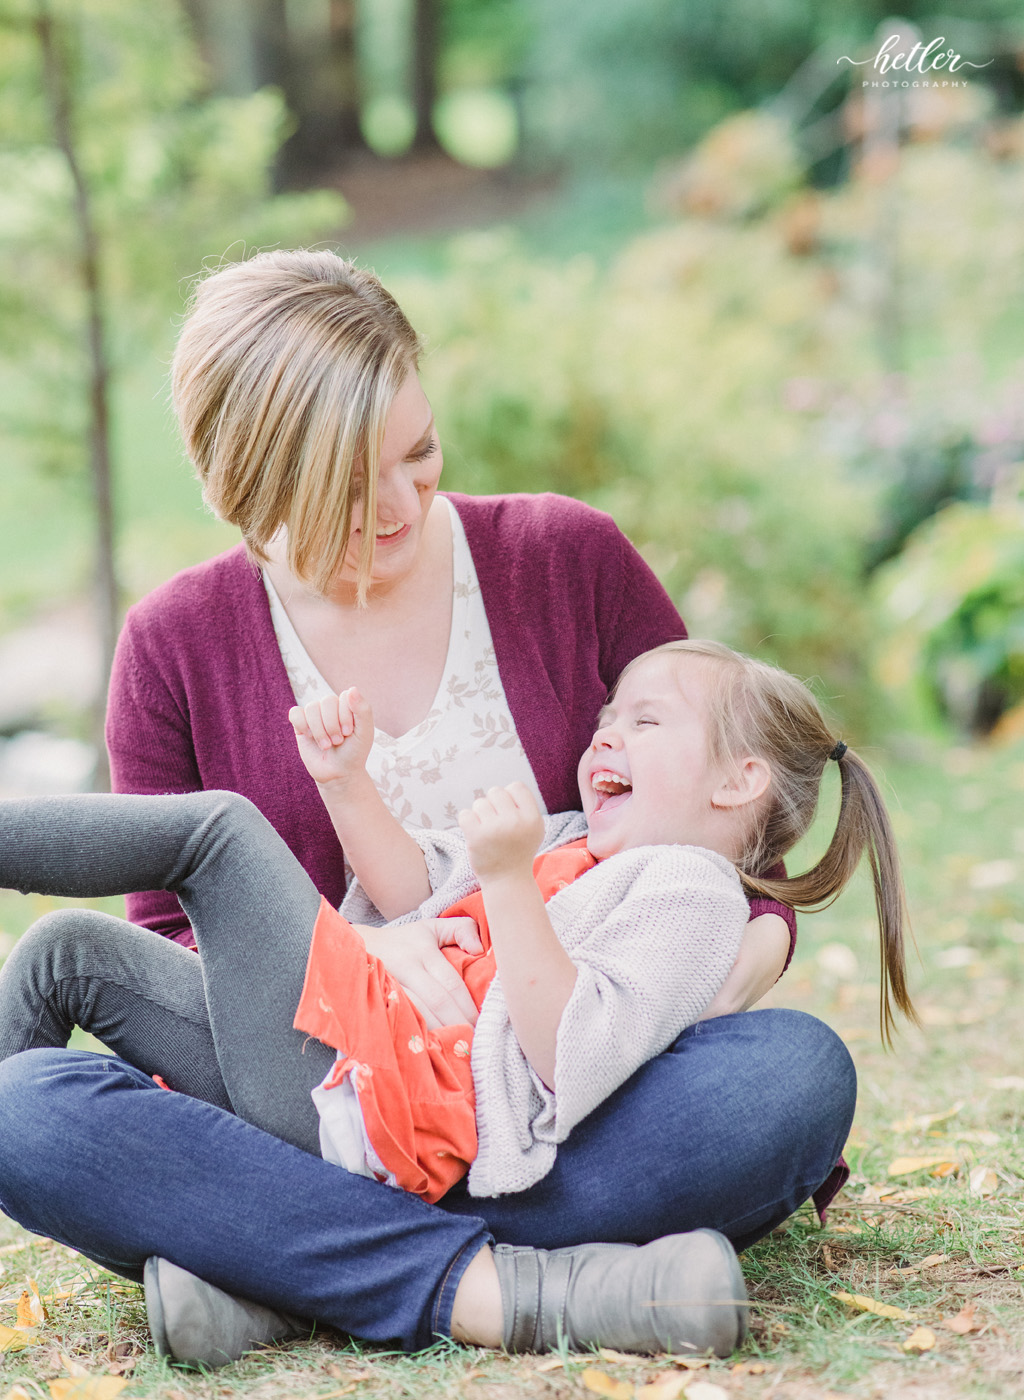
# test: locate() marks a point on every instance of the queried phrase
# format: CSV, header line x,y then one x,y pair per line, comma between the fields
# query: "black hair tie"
x,y
838,751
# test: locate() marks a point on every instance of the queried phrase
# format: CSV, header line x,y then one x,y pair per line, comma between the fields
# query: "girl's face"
x,y
647,778
410,468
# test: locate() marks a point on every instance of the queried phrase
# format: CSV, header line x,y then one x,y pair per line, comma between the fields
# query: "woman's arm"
x,y
759,964
149,741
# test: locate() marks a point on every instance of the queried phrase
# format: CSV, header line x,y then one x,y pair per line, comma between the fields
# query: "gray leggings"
x,y
217,1026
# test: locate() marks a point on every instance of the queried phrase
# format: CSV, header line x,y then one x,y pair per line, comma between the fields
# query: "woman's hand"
x,y
412,954
503,831
334,736
759,965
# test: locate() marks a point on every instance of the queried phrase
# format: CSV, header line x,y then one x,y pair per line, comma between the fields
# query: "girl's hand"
x,y
412,954
334,736
503,831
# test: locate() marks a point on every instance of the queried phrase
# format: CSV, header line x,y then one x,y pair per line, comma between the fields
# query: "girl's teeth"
x,y
388,530
609,783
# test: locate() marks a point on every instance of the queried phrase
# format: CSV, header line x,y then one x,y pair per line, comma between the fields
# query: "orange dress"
x,y
414,1085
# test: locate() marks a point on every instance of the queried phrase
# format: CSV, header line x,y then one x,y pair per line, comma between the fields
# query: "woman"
x,y
485,633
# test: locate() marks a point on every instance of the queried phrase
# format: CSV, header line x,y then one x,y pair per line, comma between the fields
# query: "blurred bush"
x,y
722,388
174,178
956,599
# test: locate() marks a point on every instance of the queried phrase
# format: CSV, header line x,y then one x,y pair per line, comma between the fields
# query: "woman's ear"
x,y
746,782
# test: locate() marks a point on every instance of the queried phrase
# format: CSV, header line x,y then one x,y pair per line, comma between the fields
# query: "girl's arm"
x,y
335,736
503,831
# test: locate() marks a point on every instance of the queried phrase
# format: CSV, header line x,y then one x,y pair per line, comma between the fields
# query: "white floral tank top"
x,y
466,743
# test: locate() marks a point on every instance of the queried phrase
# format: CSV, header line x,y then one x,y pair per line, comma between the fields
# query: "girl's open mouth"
x,y
611,790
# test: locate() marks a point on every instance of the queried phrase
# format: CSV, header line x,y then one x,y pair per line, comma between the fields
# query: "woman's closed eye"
x,y
422,453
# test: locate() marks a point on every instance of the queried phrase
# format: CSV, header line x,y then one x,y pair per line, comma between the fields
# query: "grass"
x,y
953,1090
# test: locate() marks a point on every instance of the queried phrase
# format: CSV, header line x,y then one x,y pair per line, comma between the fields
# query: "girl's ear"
x,y
746,782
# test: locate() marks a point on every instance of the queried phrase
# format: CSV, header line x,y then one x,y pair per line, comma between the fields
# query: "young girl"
x,y
595,955
704,763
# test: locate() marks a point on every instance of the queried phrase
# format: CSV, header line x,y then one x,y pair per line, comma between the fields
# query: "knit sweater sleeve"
x,y
647,971
653,933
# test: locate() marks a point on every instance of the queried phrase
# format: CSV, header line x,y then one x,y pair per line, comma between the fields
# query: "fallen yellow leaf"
x,y
750,1368
31,1313
602,1384
965,1321
86,1387
61,1295
17,1392
983,1182
904,1166
929,1262
13,1339
607,1354
73,1368
554,1364
921,1339
668,1389
705,1390
926,1120
872,1305
691,1363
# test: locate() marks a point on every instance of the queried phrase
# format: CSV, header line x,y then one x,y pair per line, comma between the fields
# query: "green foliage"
x,y
653,389
616,83
718,389
174,179
956,595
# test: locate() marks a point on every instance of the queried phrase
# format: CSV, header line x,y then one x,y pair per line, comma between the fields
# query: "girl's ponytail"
x,y
756,709
862,825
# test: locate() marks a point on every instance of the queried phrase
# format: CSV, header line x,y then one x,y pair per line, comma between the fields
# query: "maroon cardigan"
x,y
199,696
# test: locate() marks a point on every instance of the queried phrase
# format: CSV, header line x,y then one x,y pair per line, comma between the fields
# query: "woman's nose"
x,y
397,497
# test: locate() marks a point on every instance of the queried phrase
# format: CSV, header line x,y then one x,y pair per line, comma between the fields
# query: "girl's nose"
x,y
606,738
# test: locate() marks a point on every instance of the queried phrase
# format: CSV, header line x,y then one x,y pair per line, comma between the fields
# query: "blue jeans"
x,y
733,1127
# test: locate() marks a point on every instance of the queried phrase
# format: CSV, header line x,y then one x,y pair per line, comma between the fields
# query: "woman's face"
x,y
410,468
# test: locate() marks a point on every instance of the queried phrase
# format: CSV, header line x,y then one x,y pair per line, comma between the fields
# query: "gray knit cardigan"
x,y
653,933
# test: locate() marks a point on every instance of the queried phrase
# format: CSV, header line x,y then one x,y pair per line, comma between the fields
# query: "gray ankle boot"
x,y
682,1293
196,1324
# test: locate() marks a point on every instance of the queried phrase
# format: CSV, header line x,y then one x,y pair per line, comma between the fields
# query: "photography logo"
x,y
923,65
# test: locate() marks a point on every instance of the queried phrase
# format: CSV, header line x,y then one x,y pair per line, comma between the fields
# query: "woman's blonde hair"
x,y
282,380
758,710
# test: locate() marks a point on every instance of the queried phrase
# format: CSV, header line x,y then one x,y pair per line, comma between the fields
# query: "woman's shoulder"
x,y
193,599
524,516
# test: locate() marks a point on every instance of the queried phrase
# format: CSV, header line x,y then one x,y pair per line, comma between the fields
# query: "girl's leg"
x,y
250,903
140,994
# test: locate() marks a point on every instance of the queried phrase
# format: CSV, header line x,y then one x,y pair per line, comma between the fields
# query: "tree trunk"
x,y
60,100
322,90
425,44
